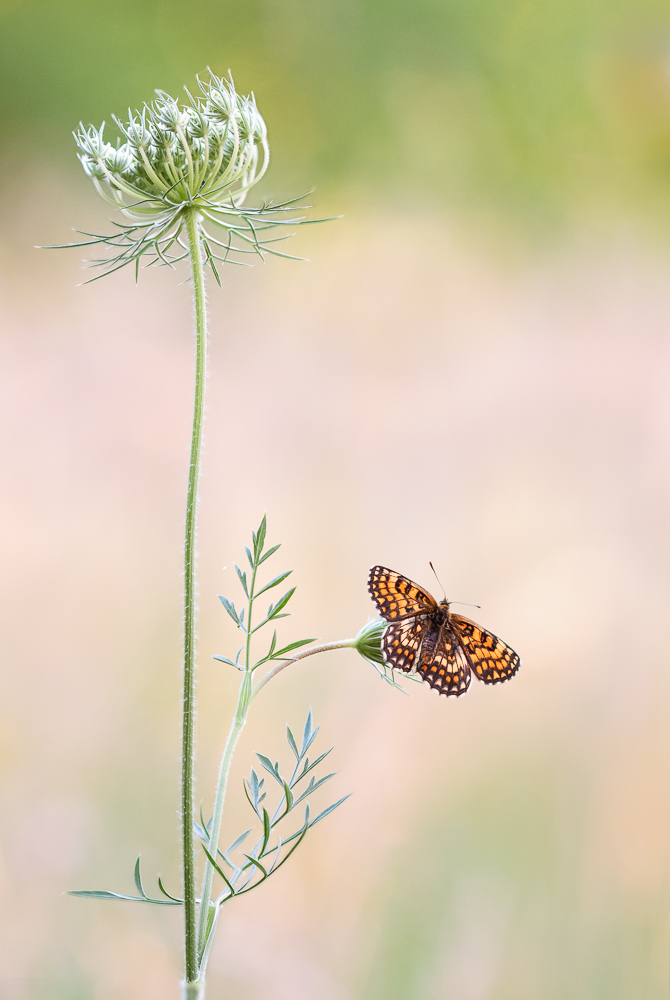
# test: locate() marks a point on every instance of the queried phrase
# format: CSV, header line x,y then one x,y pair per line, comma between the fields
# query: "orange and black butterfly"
x,y
426,638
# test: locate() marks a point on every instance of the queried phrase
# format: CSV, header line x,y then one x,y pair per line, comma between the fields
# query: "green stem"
x,y
243,701
190,609
323,648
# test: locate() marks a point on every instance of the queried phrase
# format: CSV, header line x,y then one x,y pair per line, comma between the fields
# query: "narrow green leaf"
x,y
138,878
288,794
200,832
307,736
254,786
218,869
224,659
238,841
266,831
270,768
281,603
275,582
105,894
242,577
259,538
313,785
166,893
326,812
249,556
250,800
292,645
270,552
310,767
292,743
257,864
230,608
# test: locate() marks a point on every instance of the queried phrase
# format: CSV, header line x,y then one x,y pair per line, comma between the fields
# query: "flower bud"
x,y
168,114
221,100
90,141
368,641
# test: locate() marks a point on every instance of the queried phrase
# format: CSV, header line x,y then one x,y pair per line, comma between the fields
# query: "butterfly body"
x,y
428,639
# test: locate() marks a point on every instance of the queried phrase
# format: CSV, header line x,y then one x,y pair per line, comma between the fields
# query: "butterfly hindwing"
x,y
444,664
489,657
401,643
397,597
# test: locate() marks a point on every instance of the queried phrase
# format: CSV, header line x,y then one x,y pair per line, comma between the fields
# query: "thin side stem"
x,y
243,701
190,600
323,648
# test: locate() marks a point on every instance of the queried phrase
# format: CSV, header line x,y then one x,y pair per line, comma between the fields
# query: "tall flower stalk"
x,y
180,174
190,598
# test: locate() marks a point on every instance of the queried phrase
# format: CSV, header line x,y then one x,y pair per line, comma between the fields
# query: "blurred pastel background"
x,y
473,368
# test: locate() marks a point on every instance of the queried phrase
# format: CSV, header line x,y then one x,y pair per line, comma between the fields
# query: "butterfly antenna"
x,y
465,604
438,579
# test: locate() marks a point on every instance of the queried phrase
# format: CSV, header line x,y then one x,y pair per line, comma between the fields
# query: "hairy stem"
x,y
190,600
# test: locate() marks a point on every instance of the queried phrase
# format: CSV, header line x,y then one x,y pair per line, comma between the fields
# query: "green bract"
x,y
205,155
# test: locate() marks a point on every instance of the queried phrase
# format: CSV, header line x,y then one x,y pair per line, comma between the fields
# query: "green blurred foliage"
x,y
539,110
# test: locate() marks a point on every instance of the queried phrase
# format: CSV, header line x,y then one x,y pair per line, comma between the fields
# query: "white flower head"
x,y
202,156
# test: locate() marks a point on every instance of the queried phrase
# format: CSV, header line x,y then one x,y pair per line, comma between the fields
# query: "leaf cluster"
x,y
257,555
268,854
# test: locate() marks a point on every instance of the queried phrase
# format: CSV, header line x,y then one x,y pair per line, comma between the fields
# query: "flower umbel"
x,y
203,156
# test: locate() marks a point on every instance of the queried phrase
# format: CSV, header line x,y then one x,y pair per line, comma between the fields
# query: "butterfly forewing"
x,y
397,597
489,657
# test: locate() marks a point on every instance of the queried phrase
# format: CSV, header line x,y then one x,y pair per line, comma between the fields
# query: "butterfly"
x,y
426,638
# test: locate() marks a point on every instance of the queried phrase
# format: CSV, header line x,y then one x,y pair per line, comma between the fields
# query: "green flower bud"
x,y
368,641
221,103
91,142
167,113
135,131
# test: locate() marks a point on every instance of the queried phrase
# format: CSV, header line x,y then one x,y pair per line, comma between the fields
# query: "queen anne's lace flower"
x,y
201,156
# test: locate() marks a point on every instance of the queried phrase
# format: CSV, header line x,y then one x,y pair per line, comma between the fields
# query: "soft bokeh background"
x,y
473,368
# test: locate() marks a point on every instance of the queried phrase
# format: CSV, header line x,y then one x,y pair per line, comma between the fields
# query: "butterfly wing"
x,y
489,657
402,641
433,651
444,664
397,597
